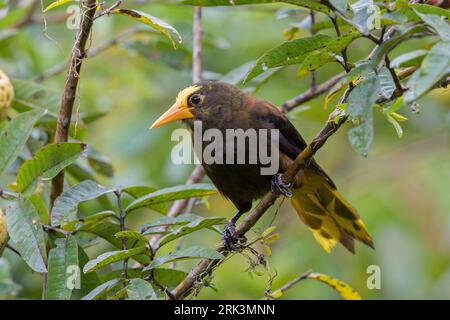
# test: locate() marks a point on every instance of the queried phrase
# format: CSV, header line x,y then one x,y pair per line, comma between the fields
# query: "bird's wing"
x,y
290,141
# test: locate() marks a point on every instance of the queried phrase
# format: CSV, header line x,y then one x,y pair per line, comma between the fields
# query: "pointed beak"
x,y
178,111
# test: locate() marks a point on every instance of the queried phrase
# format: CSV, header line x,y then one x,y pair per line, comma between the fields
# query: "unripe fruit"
x,y
3,232
6,94
4,237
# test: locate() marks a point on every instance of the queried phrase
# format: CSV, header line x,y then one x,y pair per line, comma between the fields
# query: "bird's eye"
x,y
196,99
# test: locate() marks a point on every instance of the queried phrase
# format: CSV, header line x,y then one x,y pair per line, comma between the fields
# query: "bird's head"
x,y
204,101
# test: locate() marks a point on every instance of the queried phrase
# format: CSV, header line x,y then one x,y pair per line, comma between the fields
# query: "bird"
x,y
314,196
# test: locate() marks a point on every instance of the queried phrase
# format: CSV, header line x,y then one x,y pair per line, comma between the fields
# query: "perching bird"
x,y
314,196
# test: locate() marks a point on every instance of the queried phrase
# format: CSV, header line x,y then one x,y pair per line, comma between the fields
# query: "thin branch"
x,y
108,10
8,195
336,119
311,94
13,249
197,46
90,53
289,284
70,88
398,85
28,17
48,228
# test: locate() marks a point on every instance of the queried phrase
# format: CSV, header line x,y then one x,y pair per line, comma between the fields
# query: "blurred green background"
x,y
401,189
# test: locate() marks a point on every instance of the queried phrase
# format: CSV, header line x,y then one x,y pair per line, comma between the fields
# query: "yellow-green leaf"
x,y
166,29
346,292
56,4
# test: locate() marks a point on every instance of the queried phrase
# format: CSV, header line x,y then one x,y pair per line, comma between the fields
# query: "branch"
x,y
28,17
205,266
197,46
90,53
311,93
70,89
335,121
289,284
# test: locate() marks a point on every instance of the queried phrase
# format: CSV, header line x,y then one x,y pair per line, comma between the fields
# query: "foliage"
x,y
139,258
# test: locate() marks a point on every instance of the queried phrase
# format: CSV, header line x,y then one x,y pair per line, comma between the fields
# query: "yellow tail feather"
x,y
328,215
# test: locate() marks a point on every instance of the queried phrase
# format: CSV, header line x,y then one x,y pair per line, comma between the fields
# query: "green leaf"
x,y
409,59
433,68
387,85
7,284
310,4
340,4
170,32
359,106
439,25
30,95
395,124
47,163
111,257
25,230
328,53
40,206
14,136
65,206
288,53
140,191
130,234
198,224
186,254
56,4
100,163
429,9
99,292
89,281
173,193
62,269
169,278
106,230
76,224
139,289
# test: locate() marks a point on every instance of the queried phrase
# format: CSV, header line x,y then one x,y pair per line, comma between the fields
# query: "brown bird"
x,y
313,194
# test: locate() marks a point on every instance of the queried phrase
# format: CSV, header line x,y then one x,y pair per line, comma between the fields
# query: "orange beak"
x,y
178,111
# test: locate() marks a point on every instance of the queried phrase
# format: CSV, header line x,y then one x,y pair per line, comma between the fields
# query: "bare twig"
x,y
197,46
311,94
8,195
28,17
336,119
109,9
90,53
48,228
70,88
289,284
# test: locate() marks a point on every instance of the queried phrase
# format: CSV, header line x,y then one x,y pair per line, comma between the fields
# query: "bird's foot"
x,y
231,240
278,187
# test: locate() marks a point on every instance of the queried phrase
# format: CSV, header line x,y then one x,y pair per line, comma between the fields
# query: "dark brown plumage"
x,y
222,106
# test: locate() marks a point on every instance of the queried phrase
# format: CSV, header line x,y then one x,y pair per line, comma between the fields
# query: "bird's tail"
x,y
328,215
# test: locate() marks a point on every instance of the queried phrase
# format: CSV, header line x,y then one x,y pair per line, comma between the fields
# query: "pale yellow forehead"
x,y
185,93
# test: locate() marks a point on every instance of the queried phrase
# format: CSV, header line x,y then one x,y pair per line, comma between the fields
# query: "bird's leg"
x,y
230,238
279,187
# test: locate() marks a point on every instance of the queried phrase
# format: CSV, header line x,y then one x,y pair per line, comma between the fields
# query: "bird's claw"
x,y
231,240
279,187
